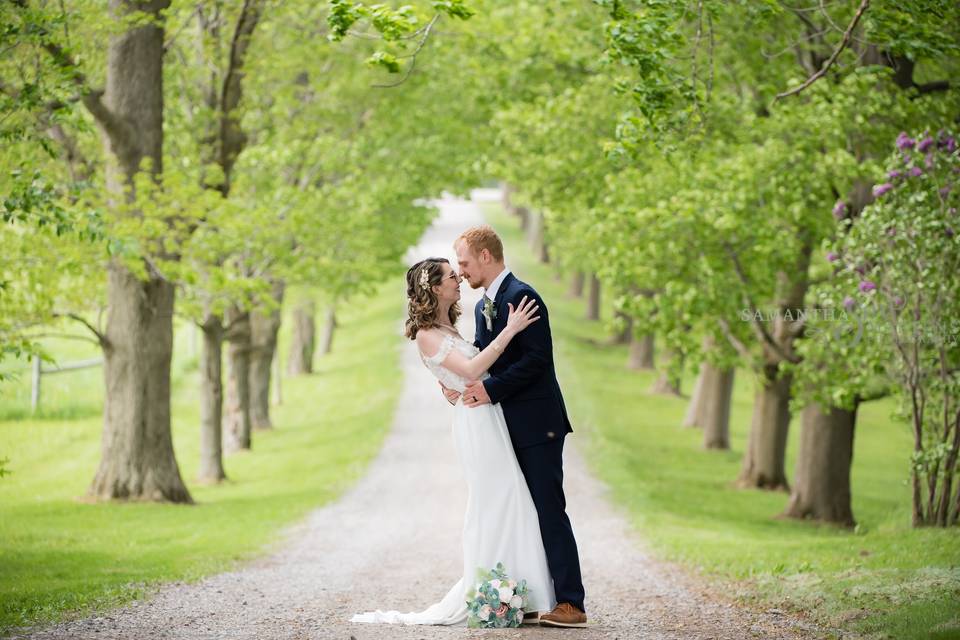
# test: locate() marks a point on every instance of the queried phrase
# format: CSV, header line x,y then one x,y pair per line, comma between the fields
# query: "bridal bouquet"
x,y
498,601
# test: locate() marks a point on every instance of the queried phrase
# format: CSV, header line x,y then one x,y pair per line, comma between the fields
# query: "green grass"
x,y
60,557
884,578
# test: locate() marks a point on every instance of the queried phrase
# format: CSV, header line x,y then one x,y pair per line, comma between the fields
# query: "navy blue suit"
x,y
523,380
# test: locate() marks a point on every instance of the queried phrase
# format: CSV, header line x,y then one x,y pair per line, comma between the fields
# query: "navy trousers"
x,y
542,466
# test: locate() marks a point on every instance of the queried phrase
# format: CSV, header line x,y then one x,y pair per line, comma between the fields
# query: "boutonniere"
x,y
489,312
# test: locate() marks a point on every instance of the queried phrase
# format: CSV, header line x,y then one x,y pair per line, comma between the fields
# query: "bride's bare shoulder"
x,y
429,341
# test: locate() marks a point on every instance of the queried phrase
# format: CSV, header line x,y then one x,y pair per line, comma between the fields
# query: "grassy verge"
x,y
884,578
59,557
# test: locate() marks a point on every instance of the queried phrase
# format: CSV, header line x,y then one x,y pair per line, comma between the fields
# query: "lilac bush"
x,y
898,263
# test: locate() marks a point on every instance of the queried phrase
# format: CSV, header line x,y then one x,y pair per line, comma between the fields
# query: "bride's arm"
x,y
519,319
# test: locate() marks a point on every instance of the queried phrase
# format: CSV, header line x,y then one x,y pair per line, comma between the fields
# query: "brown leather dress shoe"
x,y
564,615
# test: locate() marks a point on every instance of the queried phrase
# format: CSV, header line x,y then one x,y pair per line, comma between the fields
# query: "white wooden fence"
x,y
39,371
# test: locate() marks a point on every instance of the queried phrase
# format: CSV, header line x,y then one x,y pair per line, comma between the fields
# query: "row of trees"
x,y
720,169
199,160
716,168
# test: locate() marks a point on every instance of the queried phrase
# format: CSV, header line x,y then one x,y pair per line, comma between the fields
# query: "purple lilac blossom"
x,y
880,189
944,191
866,286
832,257
904,141
915,171
925,144
896,173
839,209
849,303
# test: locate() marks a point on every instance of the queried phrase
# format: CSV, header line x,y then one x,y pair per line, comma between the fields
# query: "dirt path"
x,y
393,542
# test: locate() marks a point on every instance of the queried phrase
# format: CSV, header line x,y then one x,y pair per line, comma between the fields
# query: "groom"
x,y
524,382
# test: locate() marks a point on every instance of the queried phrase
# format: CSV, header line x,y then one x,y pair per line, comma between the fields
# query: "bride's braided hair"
x,y
422,303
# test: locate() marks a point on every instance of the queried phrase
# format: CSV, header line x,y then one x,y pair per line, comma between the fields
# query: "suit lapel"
x,y
498,303
481,323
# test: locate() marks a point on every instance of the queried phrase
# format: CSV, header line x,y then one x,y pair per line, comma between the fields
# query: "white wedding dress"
x,y
501,523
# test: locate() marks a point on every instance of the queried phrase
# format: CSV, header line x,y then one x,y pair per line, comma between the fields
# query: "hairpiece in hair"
x,y
424,277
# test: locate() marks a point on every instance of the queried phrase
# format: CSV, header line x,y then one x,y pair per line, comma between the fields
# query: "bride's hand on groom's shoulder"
x,y
523,315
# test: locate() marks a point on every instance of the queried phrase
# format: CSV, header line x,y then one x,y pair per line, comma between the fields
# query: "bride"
x,y
501,522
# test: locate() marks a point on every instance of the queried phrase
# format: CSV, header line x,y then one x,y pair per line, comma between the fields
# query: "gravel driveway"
x,y
393,542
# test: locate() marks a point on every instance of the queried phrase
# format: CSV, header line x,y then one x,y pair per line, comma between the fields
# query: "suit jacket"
x,y
523,379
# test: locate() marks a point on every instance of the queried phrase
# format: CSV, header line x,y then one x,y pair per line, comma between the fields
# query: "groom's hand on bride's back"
x,y
450,394
475,394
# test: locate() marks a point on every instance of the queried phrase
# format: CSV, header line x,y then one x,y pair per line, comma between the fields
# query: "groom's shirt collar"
x,y
491,291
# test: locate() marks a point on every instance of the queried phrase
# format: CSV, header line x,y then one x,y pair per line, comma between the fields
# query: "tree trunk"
x,y
211,401
236,430
667,383
717,394
329,326
222,142
524,214
593,299
277,378
641,352
263,342
623,336
694,415
821,488
576,284
137,458
763,461
505,198
709,405
543,246
302,343
536,236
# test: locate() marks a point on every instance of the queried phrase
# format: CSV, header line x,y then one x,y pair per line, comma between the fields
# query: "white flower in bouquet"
x,y
505,593
495,584
512,584
516,602
485,611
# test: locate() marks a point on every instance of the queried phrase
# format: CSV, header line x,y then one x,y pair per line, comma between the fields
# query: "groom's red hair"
x,y
482,237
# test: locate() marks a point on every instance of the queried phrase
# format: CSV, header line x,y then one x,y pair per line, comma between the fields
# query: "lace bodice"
x,y
444,375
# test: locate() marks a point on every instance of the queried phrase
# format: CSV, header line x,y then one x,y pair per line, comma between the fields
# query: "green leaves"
x,y
386,60
651,37
398,28
392,24
453,8
915,29
343,14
